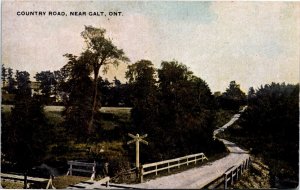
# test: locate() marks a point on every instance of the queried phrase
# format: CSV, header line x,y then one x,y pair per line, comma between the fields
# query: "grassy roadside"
x,y
266,170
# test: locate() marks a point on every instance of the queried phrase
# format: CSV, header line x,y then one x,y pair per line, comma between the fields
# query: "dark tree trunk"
x,y
95,100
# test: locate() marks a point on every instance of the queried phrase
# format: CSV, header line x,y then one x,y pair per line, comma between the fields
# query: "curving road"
x,y
201,176
197,177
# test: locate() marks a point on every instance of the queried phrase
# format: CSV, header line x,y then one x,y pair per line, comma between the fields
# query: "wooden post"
x,y
137,139
70,169
142,174
168,167
25,180
137,152
178,163
225,181
156,170
50,185
187,161
93,176
231,177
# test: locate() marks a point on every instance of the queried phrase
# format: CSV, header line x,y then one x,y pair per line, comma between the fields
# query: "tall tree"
x,y
234,92
233,97
78,104
47,82
11,81
23,84
142,84
24,134
4,75
185,111
101,52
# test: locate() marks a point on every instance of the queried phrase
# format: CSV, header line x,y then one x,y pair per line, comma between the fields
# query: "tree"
x,y
23,85
47,82
143,90
4,75
185,110
11,81
176,110
24,133
101,52
233,97
78,102
270,126
234,92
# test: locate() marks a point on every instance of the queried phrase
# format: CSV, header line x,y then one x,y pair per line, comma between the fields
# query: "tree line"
x,y
176,108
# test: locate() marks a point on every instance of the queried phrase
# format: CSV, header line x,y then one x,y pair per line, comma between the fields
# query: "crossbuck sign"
x,y
137,139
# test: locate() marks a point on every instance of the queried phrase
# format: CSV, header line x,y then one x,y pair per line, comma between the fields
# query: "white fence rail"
x,y
168,164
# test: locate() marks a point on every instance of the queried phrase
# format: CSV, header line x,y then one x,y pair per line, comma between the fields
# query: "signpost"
x,y
137,139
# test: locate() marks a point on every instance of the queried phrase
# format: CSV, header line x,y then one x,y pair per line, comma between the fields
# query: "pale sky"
x,y
253,43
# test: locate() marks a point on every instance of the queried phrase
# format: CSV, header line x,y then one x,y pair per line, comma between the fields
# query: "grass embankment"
x,y
60,182
5,184
63,182
266,170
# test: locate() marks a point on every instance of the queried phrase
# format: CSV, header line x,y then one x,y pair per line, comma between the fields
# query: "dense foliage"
x,y
175,107
270,128
24,133
232,98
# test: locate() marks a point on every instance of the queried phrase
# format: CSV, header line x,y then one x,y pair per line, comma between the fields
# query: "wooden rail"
x,y
28,180
168,164
234,172
91,168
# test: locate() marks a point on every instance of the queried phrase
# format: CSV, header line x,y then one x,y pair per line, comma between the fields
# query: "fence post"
x,y
142,174
195,160
70,169
242,167
94,172
178,163
225,181
107,183
231,177
187,161
156,170
25,180
168,167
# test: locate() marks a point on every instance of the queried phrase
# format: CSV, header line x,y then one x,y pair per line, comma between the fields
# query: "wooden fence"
x,y
83,167
27,181
235,172
168,164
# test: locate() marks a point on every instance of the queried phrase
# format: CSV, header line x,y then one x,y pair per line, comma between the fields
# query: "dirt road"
x,y
199,177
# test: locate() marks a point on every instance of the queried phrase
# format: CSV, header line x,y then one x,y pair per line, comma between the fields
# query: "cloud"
x,y
251,42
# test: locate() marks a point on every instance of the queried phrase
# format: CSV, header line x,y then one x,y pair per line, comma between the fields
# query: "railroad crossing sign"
x,y
137,139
